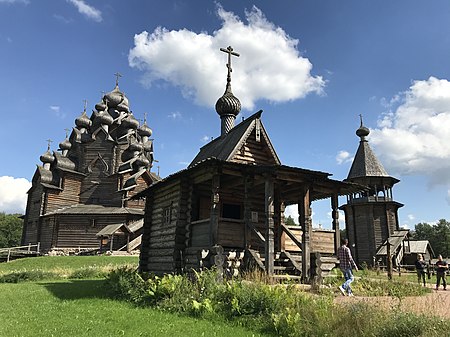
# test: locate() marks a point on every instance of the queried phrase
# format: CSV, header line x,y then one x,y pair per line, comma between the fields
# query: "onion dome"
x,y
135,147
100,106
123,107
127,155
105,118
47,157
148,146
115,97
144,130
141,161
130,122
228,104
83,121
362,132
65,144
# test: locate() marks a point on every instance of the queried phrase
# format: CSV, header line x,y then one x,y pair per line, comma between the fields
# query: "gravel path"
x,y
436,303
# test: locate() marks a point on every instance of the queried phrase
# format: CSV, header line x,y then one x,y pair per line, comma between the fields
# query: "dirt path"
x,y
436,303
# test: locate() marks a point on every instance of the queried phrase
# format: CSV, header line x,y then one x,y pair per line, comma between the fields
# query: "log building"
x,y
84,188
227,208
372,215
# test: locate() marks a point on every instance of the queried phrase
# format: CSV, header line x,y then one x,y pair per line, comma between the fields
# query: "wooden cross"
x,y
145,117
117,77
85,104
360,118
230,52
49,141
67,130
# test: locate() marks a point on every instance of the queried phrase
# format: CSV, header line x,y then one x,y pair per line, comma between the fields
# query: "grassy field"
x,y
82,307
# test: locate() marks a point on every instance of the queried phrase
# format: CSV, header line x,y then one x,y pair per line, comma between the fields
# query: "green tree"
x,y
10,230
289,221
437,234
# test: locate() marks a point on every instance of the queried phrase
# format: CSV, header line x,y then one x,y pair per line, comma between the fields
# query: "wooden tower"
x,y
371,216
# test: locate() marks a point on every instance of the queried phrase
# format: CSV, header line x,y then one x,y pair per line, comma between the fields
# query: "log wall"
x,y
322,240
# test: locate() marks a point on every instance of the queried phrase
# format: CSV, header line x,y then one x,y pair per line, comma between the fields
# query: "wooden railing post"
x,y
335,224
304,211
269,207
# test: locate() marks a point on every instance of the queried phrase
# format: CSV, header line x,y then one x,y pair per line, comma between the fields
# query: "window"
x,y
167,215
231,211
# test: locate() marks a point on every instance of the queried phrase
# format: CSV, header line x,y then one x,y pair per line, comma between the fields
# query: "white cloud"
x,y
56,109
87,10
413,138
192,61
13,194
62,19
343,157
292,210
205,139
174,115
411,217
25,2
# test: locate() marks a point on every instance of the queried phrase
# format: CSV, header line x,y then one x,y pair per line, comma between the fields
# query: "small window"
x,y
231,211
167,215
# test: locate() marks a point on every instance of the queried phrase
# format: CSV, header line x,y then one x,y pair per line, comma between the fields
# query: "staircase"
x,y
286,265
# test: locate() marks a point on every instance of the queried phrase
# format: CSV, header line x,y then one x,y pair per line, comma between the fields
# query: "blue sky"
x,y
312,66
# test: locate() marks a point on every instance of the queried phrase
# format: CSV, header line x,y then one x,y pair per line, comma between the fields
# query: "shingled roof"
x,y
224,147
366,164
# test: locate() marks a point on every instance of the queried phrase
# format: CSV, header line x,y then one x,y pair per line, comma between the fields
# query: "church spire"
x,y
228,106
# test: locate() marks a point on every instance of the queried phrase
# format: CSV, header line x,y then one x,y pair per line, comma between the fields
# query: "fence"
x,y
20,251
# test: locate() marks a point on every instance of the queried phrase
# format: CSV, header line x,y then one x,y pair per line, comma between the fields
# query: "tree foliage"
x,y
10,230
289,221
437,234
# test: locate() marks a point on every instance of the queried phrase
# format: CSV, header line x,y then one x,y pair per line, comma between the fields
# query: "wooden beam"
x,y
214,218
335,224
304,211
269,208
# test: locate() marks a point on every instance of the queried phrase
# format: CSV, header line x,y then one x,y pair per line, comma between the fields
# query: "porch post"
x,y
335,225
269,207
248,186
304,212
214,217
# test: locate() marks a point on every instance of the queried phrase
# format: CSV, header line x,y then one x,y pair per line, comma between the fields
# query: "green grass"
x,y
82,308
62,267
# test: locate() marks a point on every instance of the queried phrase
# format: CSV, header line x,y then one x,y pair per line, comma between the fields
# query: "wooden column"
x,y
335,224
304,211
214,216
248,186
269,208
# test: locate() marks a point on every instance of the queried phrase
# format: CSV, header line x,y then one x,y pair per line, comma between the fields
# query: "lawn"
x,y
82,308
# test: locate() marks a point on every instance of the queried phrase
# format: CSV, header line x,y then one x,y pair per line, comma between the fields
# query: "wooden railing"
x,y
23,250
257,232
291,235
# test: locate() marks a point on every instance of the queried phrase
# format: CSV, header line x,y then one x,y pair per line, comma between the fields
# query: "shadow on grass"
x,y
78,289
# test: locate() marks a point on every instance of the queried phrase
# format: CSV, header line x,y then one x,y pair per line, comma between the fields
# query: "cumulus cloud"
x,y
343,157
87,10
13,194
412,138
56,109
269,67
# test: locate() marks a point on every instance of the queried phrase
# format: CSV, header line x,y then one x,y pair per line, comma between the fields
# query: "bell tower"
x,y
371,216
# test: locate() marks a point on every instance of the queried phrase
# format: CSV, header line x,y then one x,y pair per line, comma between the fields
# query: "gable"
x,y
255,149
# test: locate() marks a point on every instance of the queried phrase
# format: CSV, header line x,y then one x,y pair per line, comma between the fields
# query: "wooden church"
x,y
227,208
80,195
372,215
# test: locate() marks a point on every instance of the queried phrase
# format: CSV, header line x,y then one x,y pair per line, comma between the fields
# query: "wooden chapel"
x,y
227,207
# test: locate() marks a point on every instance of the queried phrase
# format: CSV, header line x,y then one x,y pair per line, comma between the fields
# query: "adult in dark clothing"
x,y
421,267
441,269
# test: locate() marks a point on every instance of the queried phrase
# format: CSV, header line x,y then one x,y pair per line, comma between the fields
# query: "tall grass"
x,y
274,309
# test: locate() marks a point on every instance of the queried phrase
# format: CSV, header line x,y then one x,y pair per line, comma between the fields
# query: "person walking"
x,y
441,269
346,263
421,267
